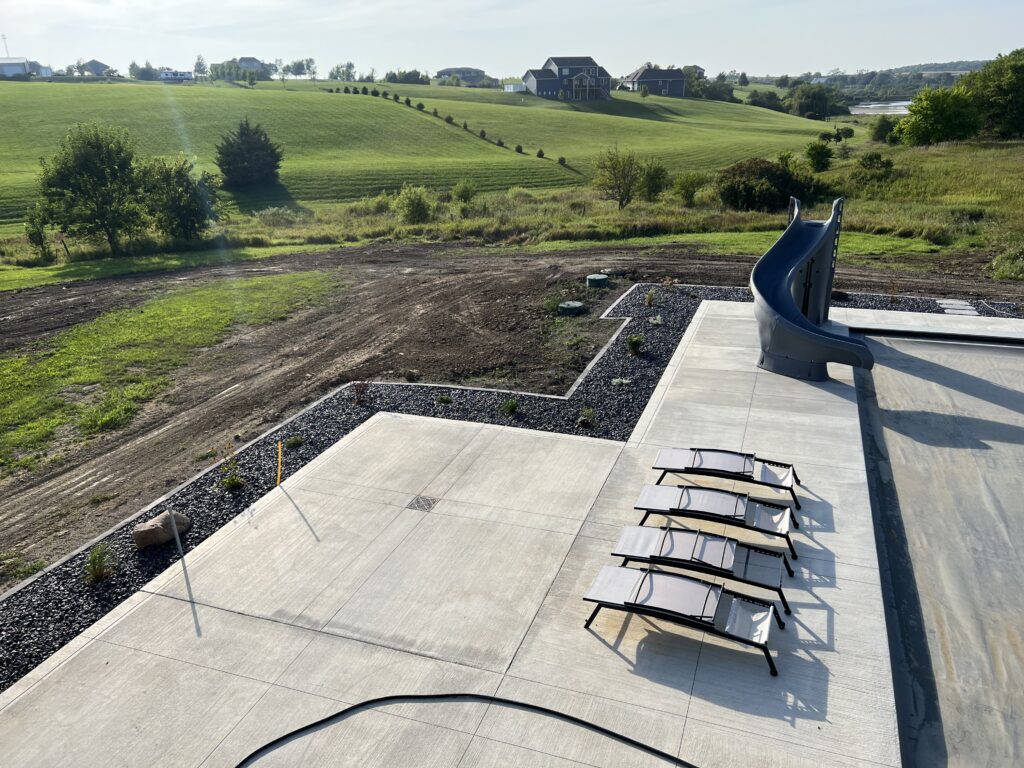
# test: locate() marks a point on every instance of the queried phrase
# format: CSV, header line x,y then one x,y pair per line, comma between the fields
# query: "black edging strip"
x,y
453,697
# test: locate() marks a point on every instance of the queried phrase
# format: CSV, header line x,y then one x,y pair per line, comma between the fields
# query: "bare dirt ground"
x,y
447,313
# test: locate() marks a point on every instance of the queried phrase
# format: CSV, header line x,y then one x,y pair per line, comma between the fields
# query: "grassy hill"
x,y
343,146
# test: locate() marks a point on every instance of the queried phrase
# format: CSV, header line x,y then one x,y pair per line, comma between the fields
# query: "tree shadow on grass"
x,y
256,198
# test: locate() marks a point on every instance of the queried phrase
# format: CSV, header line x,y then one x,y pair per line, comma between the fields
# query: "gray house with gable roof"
x,y
579,78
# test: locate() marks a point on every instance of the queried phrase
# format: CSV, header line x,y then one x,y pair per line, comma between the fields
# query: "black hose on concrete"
x,y
452,697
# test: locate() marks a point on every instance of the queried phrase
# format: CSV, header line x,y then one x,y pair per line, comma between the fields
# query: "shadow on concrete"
x,y
948,430
918,713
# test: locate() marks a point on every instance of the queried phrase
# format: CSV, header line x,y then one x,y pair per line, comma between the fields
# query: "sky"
x,y
505,38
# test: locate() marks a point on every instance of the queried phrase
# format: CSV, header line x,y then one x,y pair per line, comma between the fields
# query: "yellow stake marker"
x,y
280,460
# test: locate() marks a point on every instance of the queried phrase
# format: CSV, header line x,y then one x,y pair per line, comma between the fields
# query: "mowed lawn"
x,y
342,146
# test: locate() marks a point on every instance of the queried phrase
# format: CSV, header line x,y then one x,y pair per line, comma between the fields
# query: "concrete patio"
x,y
428,556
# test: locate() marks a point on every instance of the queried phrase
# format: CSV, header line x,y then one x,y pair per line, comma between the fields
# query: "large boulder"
x,y
159,530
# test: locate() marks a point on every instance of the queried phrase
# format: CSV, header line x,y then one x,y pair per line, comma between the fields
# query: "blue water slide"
x,y
792,287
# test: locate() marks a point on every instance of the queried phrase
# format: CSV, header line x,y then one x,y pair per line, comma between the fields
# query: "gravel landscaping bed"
x,y
46,613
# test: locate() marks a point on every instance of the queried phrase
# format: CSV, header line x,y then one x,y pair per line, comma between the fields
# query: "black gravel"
x,y
988,308
41,617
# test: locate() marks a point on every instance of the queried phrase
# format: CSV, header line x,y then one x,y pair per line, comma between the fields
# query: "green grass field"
x,y
343,146
96,376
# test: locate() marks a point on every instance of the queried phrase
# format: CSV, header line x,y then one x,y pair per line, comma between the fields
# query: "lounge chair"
x,y
719,507
704,553
686,601
730,465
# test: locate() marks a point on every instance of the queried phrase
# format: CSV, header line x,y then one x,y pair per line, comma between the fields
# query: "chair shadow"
x,y
950,430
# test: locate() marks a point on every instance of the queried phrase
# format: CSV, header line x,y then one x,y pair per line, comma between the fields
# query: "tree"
x,y
180,204
782,82
653,179
199,68
298,68
819,155
883,128
618,175
762,185
91,188
940,114
743,80
998,91
687,184
644,92
414,204
767,100
247,156
80,67
286,72
279,67
310,65
250,78
336,73
816,100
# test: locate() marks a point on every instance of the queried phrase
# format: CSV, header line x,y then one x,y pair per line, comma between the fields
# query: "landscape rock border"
x,y
42,614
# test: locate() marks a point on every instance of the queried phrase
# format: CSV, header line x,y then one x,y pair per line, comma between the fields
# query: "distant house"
x,y
95,68
39,70
819,81
251,64
661,82
174,76
577,78
14,67
466,75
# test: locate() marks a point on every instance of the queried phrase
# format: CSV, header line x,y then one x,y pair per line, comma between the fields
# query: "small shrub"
x,y
620,382
826,136
500,143
657,320
465,125
412,376
375,92
434,112
483,134
634,343
408,101
359,391
819,156
649,298
444,399
365,91
464,191
420,106
587,418
653,180
519,148
762,185
844,152
509,407
233,482
873,161
414,205
384,94
561,161
540,153
449,119
99,564
294,441
397,98
346,89
686,185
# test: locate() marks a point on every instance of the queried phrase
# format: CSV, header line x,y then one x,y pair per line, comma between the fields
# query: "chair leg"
x,y
665,472
789,568
792,516
771,663
778,617
644,519
785,603
593,616
792,492
792,549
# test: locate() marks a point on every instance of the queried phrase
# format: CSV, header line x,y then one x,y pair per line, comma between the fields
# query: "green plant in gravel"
x,y
96,376
621,382
649,298
444,399
509,407
587,418
657,320
634,343
99,564
294,441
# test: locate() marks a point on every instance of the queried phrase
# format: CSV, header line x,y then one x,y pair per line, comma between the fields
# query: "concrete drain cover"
x,y
422,503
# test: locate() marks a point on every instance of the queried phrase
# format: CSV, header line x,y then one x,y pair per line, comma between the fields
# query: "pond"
x,y
880,108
